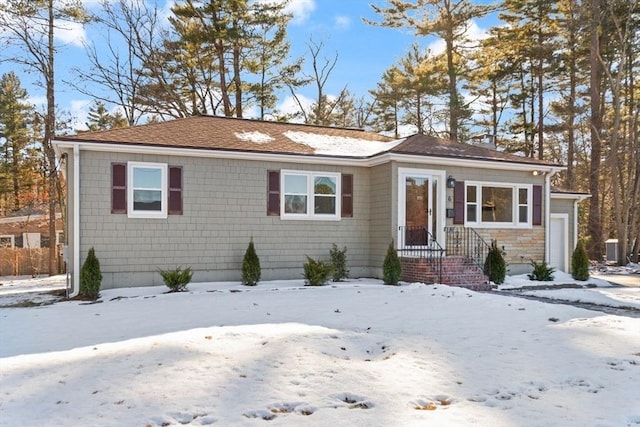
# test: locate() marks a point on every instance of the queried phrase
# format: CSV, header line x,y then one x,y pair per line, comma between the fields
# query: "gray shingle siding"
x,y
224,206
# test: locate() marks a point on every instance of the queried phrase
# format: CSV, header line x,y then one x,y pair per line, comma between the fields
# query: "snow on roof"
x,y
257,137
340,145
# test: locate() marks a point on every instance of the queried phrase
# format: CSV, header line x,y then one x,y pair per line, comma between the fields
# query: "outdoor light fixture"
x,y
451,182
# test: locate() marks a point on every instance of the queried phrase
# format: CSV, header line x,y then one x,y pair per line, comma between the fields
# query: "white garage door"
x,y
559,244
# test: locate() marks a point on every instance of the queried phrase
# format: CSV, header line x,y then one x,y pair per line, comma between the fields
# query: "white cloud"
x,y
474,33
79,112
71,33
342,21
40,102
301,10
290,106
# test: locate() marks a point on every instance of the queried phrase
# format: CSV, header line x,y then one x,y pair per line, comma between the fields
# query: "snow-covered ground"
x,y
356,353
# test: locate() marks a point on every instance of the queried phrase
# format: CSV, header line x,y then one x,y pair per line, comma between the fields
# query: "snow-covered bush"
x,y
391,268
316,272
177,279
90,277
251,266
339,263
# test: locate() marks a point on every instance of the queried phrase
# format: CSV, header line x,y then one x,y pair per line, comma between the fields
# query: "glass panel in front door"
x,y
418,211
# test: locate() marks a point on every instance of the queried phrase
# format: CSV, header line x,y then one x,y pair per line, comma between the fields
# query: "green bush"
x,y
177,279
580,262
251,266
316,273
391,268
495,266
339,263
90,277
541,272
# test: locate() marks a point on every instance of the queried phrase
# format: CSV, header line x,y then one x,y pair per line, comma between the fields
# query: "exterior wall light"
x,y
451,182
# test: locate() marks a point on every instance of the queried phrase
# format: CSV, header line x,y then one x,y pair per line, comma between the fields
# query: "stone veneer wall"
x,y
520,246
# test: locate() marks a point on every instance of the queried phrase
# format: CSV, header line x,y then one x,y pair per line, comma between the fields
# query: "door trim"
x,y
439,176
565,225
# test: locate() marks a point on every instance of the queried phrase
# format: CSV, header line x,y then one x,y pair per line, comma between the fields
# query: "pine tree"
x,y
90,276
251,266
391,268
99,117
31,26
448,20
495,266
15,135
580,262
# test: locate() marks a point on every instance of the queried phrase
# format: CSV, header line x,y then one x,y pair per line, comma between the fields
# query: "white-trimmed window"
x,y
310,195
147,190
498,205
7,241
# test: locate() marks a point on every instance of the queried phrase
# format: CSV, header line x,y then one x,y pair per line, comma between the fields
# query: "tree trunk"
x,y
49,127
15,168
224,91
454,106
237,81
595,222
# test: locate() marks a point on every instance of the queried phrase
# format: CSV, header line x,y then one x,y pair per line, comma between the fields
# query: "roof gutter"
x,y
370,161
75,276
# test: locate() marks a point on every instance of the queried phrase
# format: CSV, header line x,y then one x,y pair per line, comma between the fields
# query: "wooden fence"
x,y
27,262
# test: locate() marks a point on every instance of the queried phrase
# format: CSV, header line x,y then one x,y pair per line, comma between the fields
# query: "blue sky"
x,y
364,51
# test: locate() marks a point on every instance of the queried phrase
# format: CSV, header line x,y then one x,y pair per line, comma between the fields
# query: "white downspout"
x,y
575,224
547,213
76,221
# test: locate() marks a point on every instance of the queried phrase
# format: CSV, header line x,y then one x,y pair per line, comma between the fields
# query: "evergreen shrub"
x,y
251,266
580,262
339,263
495,267
316,272
177,279
90,277
541,272
391,268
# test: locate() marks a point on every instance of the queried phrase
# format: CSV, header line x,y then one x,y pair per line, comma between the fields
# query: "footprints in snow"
x,y
347,400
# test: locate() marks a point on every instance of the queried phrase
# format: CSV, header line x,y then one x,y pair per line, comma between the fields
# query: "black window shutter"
x,y
537,205
118,188
175,190
273,193
458,202
347,196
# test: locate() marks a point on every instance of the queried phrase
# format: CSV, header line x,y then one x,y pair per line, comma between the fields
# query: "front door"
x,y
559,245
418,211
418,208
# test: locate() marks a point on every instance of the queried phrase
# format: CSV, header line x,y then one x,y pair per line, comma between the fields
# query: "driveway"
x,y
631,280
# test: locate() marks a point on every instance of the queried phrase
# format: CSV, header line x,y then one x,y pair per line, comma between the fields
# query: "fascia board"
x,y
376,160
570,196
471,163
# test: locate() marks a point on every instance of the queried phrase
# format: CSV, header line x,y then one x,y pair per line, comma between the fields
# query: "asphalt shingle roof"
x,y
426,145
244,135
222,133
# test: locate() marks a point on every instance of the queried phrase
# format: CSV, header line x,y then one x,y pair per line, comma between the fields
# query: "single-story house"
x,y
194,191
30,230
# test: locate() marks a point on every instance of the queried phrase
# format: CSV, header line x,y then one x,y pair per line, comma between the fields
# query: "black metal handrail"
x,y
418,242
467,242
